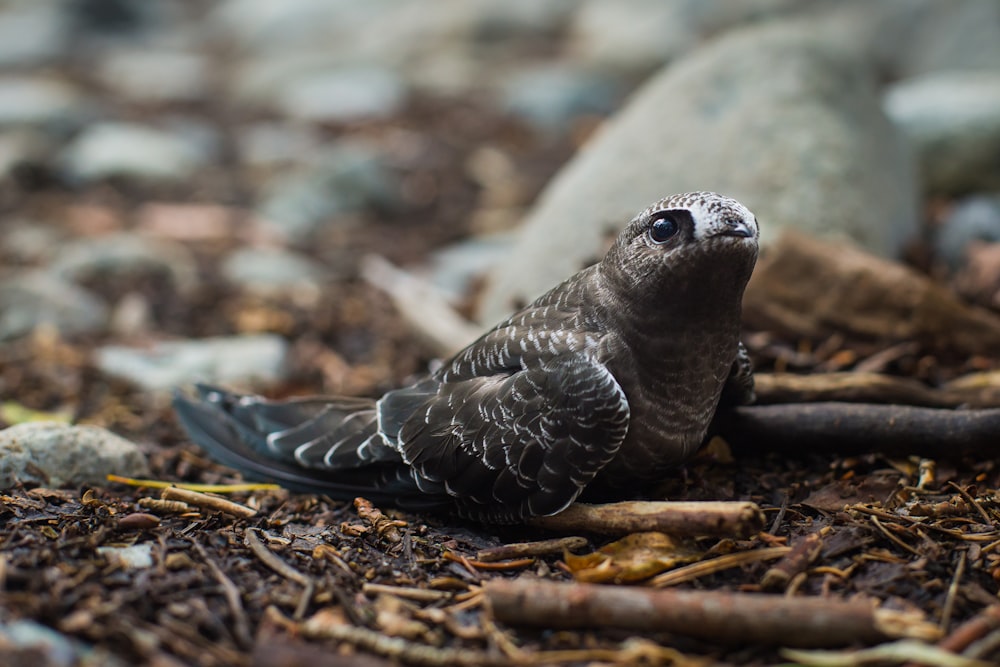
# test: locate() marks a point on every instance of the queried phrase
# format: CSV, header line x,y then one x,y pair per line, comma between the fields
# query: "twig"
x,y
972,501
418,594
906,649
852,387
527,549
268,557
795,562
322,626
208,502
385,528
986,621
241,624
209,488
949,601
848,429
717,616
892,538
731,519
707,567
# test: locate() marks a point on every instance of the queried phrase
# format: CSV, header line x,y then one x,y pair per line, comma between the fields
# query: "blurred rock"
x,y
155,75
269,270
778,116
644,34
270,144
953,120
39,101
226,360
26,642
53,454
551,96
124,257
32,299
30,241
131,151
32,33
343,94
22,148
349,177
972,219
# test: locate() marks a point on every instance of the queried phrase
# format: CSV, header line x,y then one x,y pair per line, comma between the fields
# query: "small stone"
x,y
135,557
227,360
268,144
123,257
156,76
349,178
269,270
54,454
34,299
131,151
343,94
973,219
38,101
32,33
550,97
953,121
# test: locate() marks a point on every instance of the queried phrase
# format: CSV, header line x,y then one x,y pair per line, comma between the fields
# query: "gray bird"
x,y
596,388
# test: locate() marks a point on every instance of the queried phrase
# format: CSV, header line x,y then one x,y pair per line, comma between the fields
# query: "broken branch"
x,y
717,616
732,519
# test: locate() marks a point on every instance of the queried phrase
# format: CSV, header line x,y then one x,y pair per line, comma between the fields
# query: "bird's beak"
x,y
737,228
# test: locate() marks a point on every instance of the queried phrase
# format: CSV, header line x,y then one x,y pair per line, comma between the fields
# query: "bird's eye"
x,y
663,229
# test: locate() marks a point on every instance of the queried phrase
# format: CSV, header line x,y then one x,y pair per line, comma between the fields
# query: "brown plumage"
x,y
596,388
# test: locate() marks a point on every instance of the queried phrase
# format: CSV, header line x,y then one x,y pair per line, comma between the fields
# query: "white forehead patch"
x,y
712,213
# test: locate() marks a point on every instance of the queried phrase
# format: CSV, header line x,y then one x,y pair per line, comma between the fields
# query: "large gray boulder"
x,y
778,116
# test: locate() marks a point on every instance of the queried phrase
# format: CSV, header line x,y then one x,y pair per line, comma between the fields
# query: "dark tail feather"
x,y
234,441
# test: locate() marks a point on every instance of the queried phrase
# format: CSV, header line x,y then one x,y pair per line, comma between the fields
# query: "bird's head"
x,y
692,246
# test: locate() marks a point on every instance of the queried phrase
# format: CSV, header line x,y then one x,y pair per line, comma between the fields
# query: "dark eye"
x,y
663,229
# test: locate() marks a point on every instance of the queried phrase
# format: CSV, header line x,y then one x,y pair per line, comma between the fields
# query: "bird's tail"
x,y
315,445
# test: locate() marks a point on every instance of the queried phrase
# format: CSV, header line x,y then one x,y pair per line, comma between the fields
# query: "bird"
x,y
594,391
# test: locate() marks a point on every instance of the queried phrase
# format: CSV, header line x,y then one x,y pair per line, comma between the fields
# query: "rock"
x,y
30,241
953,120
550,97
44,647
133,557
348,178
155,76
23,148
777,116
973,219
32,34
33,299
343,94
39,101
644,34
270,144
54,454
131,151
270,270
123,257
226,360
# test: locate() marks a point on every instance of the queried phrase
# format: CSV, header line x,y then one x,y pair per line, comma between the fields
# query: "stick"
x,y
206,501
803,553
732,519
715,616
528,549
849,429
854,387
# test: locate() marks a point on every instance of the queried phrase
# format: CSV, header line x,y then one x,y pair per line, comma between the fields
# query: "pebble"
x,y
155,76
972,219
122,257
343,94
49,648
953,121
258,358
54,455
32,33
131,151
349,177
270,270
550,97
32,299
38,101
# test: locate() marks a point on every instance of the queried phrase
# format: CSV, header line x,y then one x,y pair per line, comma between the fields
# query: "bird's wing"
x,y
739,387
513,444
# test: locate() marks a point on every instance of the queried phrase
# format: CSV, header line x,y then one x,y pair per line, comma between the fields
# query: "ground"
x,y
225,589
